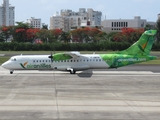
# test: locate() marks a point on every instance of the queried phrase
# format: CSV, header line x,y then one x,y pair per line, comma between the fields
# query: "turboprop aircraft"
x,y
74,61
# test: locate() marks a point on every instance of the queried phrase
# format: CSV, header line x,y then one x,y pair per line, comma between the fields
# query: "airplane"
x,y
74,61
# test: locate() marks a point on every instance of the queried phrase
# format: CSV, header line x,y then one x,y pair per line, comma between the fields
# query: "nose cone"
x,y
5,65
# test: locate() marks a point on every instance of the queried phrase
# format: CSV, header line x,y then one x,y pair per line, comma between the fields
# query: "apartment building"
x,y
34,22
57,22
69,19
117,24
7,14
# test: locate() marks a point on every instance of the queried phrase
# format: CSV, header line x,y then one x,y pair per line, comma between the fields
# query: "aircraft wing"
x,y
66,56
73,54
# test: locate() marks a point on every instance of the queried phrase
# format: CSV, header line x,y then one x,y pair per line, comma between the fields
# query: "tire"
x,y
72,72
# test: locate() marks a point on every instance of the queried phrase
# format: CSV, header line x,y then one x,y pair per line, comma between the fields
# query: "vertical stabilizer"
x,y
143,45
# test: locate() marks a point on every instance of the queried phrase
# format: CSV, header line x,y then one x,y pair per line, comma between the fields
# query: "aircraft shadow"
x,y
85,74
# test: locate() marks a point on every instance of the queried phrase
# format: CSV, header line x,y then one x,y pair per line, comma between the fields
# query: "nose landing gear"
x,y
11,71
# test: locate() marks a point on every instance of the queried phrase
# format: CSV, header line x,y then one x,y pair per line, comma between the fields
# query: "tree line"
x,y
100,46
23,33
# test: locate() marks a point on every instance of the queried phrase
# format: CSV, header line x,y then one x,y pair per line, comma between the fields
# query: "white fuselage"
x,y
42,62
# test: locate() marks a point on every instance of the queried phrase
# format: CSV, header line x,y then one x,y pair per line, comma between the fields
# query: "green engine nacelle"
x,y
61,56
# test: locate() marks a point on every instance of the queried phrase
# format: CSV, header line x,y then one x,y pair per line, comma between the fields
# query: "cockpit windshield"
x,y
12,59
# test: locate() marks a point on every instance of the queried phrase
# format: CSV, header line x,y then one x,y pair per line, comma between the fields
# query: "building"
x,y
117,24
57,22
34,22
158,16
69,19
7,14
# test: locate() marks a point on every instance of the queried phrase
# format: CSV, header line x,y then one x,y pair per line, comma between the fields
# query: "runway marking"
x,y
2,54
78,72
4,72
94,75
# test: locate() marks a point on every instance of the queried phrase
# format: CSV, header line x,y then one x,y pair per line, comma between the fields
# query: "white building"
x,y
34,22
117,24
7,14
68,19
56,22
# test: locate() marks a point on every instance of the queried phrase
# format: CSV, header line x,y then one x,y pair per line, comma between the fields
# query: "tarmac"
x,y
125,94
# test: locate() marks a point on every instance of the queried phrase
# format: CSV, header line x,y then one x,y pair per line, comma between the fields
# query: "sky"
x,y
111,9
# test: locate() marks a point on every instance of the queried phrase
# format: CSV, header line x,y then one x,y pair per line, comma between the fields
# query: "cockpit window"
x,y
13,59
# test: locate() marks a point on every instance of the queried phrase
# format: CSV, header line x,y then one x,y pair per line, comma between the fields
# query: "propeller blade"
x,y
51,57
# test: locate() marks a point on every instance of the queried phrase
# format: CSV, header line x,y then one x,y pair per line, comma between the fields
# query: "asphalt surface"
x,y
128,93
139,67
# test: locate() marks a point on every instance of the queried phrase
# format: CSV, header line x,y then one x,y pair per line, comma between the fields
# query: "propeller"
x,y
51,57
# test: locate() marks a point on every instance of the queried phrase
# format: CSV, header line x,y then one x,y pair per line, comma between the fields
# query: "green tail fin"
x,y
143,45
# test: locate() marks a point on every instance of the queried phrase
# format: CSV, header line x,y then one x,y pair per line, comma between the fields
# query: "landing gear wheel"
x,y
72,71
11,72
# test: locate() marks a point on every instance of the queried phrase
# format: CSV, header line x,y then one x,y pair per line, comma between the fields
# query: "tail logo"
x,y
143,46
23,65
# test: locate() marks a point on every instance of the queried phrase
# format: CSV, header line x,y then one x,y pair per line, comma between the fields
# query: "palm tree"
x,y
1,37
22,25
65,36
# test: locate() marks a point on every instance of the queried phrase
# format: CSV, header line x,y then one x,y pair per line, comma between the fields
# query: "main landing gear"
x,y
72,72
